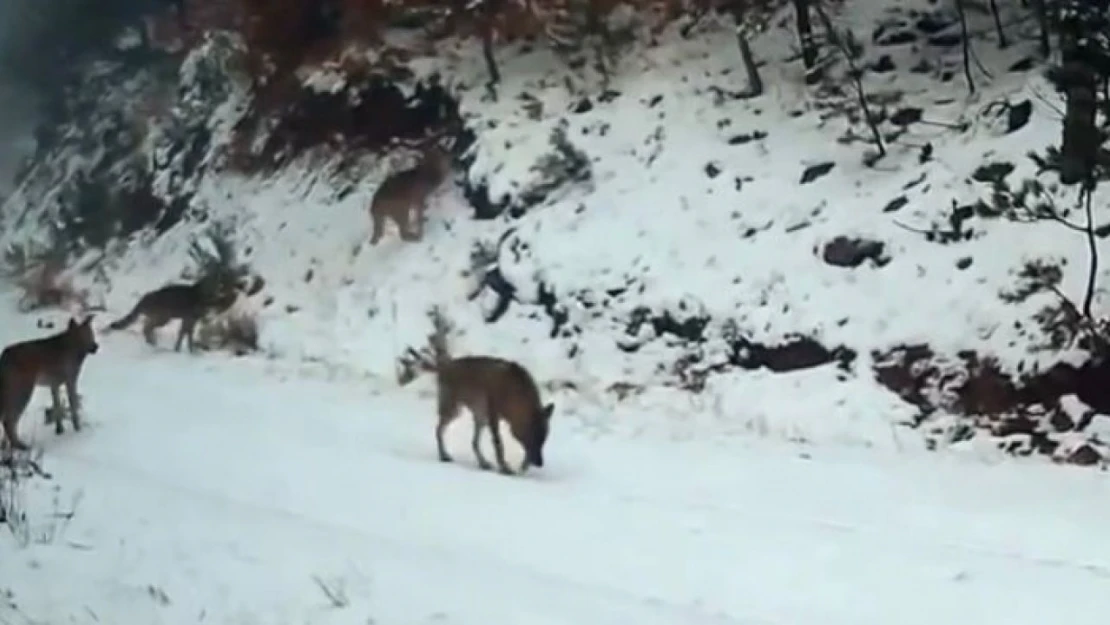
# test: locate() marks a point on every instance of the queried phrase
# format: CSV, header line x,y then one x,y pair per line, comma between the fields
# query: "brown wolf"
x,y
53,361
493,390
406,192
187,302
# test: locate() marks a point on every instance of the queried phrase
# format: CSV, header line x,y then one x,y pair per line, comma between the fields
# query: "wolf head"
x,y
536,437
81,335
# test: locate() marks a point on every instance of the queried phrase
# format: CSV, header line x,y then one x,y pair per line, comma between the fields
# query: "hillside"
x,y
795,375
727,265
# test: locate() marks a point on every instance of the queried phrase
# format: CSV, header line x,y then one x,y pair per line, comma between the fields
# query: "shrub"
x,y
38,271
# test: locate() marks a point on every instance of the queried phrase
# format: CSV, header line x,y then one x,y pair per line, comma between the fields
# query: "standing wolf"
x,y
187,302
493,390
53,361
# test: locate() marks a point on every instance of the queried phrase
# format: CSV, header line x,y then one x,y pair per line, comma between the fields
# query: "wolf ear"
x,y
72,323
547,410
88,320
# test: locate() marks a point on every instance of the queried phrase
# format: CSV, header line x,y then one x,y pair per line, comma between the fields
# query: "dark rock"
x,y
1006,406
946,40
852,252
921,67
747,137
1060,421
986,391
906,116
813,172
933,23
993,172
798,352
1022,65
691,329
1085,456
907,370
1017,425
883,64
477,195
896,204
583,106
1019,116
712,170
608,96
899,37
913,183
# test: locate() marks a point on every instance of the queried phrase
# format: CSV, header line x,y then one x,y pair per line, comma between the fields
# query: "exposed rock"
x,y
893,37
366,116
1019,115
1024,413
906,116
994,172
813,172
946,40
933,23
852,252
1085,455
896,204
747,137
799,352
883,64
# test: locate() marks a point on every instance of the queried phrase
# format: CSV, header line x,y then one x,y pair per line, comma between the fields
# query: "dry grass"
x,y
45,285
234,330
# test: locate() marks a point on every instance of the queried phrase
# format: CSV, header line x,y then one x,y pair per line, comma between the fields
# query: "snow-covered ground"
x,y
208,491
653,231
267,489
211,491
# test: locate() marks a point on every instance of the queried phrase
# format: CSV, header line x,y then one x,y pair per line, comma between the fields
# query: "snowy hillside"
x,y
757,336
231,491
725,265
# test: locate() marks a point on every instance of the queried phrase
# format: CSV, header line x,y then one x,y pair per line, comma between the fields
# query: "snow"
x,y
651,222
220,490
211,489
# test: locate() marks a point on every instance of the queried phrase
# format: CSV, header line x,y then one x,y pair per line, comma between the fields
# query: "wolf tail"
x,y
441,355
120,324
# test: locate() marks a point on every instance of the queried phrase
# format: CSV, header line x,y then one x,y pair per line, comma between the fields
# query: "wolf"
x,y
187,302
53,361
405,192
493,390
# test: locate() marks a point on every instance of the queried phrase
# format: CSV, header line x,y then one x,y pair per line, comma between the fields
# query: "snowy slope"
x,y
219,492
652,234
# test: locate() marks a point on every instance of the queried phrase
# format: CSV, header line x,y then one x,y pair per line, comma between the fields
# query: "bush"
x,y
235,331
217,259
38,271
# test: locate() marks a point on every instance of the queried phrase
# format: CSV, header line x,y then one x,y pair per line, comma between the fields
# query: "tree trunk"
x,y
1079,81
1041,16
805,35
755,82
489,14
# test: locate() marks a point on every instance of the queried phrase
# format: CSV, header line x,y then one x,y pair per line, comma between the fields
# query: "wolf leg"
x,y
59,414
74,405
476,445
498,447
448,410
